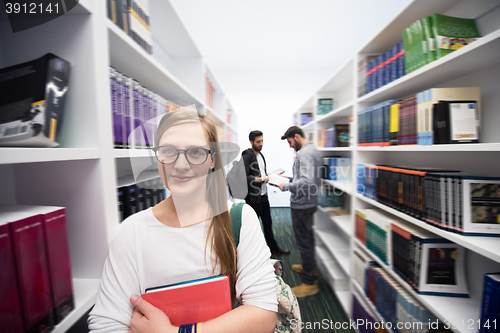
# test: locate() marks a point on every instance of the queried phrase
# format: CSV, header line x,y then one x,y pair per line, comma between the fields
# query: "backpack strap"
x,y
235,212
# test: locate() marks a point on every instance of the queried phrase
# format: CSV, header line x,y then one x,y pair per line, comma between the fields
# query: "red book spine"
x,y
11,318
59,262
32,272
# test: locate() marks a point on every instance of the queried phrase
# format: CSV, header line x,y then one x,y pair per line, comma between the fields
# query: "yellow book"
x,y
394,124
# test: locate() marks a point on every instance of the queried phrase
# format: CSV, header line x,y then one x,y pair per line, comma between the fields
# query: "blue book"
x,y
490,304
401,60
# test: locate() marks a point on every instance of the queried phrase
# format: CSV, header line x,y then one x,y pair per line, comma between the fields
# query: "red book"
x,y
31,268
58,258
192,301
11,318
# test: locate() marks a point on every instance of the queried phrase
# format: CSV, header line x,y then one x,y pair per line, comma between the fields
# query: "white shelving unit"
x,y
477,64
84,172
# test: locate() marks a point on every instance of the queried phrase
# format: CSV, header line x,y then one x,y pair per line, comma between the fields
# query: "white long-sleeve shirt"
x,y
145,253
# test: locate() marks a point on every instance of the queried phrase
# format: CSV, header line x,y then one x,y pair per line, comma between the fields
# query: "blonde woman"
x,y
186,236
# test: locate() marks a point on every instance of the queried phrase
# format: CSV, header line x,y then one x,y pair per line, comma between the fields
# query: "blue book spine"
x,y
393,65
490,305
380,79
401,60
387,67
332,169
112,83
360,178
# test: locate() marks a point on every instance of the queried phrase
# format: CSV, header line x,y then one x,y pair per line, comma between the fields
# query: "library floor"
x,y
314,309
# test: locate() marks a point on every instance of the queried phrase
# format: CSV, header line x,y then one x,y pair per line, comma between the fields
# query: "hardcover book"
x,y
481,205
31,269
490,304
192,301
452,33
33,100
11,317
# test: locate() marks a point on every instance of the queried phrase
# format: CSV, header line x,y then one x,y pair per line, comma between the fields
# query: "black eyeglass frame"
x,y
155,151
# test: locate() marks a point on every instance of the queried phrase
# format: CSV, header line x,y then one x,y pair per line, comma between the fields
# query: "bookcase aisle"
x,y
85,173
390,294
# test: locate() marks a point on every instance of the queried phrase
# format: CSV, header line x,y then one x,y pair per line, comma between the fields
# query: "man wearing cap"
x,y
304,188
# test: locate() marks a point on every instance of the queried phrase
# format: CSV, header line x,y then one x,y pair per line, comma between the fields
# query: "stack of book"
x,y
446,199
36,284
136,111
432,37
386,68
133,18
432,116
136,197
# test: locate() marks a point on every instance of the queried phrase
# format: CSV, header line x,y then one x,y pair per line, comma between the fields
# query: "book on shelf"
x,y
324,106
192,301
11,317
452,33
342,136
305,118
463,204
32,269
429,263
339,168
329,197
489,317
455,122
33,102
362,70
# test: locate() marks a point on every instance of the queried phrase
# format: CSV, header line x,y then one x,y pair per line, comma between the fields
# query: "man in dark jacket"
x,y
255,168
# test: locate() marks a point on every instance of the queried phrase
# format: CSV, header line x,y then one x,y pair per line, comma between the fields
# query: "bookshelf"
x,y
474,65
84,172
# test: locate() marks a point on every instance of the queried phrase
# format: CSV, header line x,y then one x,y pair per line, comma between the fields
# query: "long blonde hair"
x,y
220,233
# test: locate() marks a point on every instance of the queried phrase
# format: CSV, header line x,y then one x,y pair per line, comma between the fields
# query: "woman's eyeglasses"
x,y
168,155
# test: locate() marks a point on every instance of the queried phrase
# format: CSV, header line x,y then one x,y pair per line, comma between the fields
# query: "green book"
x,y
425,36
431,45
407,44
452,33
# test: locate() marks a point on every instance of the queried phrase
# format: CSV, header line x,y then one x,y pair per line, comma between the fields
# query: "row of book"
x,y
383,69
137,197
441,265
132,16
364,315
324,106
424,41
35,280
446,199
305,118
329,197
136,111
400,311
430,264
432,37
337,168
433,116
336,135
210,93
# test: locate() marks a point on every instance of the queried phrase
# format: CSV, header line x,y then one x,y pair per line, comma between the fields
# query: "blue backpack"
x,y
288,317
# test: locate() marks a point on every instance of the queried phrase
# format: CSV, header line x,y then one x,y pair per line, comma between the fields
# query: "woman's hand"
x,y
149,319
